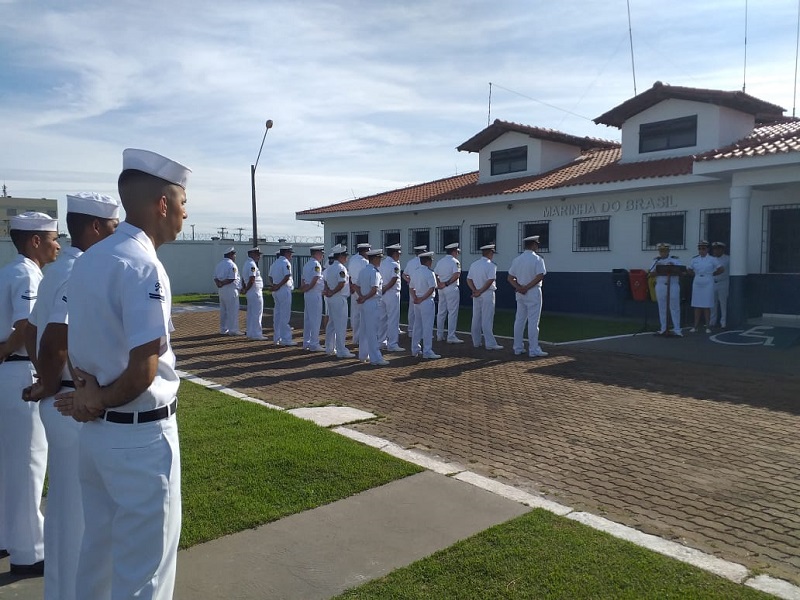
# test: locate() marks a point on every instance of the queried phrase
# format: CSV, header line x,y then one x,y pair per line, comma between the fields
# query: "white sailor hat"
x,y
230,250
426,255
419,249
376,252
702,243
662,246
155,164
488,247
317,248
531,238
33,221
339,249
452,246
93,204
718,245
363,246
393,247
253,250
286,248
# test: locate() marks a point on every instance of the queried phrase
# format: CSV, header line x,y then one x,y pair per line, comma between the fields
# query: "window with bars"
x,y
780,240
358,237
591,234
666,227
390,237
540,228
339,238
715,225
419,237
447,235
481,235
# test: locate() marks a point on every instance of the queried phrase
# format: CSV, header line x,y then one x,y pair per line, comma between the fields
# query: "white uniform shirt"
x,y
280,269
526,267
422,280
19,282
119,298
310,270
667,260
356,264
390,269
411,266
369,278
51,305
481,271
251,270
725,263
446,267
704,266
334,274
227,269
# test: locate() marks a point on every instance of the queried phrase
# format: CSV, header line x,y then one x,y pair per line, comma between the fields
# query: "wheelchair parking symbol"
x,y
755,336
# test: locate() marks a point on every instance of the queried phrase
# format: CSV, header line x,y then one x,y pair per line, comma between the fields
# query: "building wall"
x,y
542,155
10,207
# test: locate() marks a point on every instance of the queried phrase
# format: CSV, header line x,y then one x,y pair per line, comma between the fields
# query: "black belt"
x,y
17,357
146,416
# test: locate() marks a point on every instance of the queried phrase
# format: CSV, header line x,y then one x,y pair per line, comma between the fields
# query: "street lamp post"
x,y
253,182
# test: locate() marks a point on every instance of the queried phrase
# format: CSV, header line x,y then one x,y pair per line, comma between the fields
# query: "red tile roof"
x,y
777,138
660,92
481,139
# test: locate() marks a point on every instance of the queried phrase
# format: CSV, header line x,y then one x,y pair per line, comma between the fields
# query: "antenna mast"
x,y
630,37
796,48
744,76
489,118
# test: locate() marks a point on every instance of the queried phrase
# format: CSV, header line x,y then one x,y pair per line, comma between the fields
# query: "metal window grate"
x,y
481,235
780,244
419,237
540,228
390,237
446,235
667,227
591,234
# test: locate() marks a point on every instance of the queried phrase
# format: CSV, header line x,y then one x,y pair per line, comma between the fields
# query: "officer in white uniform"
x,y
91,218
282,285
421,289
312,287
662,283
23,447
481,280
253,289
411,266
719,316
119,302
370,286
525,275
355,265
390,299
337,283
704,267
448,271
226,277
326,319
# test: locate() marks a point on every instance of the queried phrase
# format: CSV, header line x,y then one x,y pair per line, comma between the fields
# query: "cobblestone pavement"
x,y
706,455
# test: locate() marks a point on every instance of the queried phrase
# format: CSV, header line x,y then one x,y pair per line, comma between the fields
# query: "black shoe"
x,y
3,553
34,570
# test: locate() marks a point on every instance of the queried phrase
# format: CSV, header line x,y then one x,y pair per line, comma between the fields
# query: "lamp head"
x,y
269,123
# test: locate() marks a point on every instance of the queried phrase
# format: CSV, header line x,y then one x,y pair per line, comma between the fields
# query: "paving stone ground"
x,y
705,454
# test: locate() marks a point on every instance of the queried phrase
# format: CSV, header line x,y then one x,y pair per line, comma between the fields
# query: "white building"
x,y
11,207
693,164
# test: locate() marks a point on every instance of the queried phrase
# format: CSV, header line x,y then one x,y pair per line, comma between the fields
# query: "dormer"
x,y
667,121
510,150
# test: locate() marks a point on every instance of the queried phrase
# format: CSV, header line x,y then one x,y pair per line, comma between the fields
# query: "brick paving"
x,y
705,455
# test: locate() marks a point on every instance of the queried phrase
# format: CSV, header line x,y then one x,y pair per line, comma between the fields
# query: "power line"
x,y
569,112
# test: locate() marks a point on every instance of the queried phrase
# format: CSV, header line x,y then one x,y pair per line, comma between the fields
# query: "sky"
x,y
366,96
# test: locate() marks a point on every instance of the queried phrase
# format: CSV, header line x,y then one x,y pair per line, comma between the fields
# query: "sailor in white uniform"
x,y
390,299
525,275
282,285
119,303
421,289
411,266
719,310
704,268
23,447
355,265
370,286
312,286
91,218
448,272
253,289
481,280
337,286
227,280
667,286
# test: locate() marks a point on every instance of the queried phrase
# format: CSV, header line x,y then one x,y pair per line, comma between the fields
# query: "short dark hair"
x,y
20,237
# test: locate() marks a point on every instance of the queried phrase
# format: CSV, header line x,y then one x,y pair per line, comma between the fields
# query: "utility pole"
x,y
240,229
192,226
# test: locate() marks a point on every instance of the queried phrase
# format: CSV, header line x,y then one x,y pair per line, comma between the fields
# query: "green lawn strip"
x,y
543,556
244,465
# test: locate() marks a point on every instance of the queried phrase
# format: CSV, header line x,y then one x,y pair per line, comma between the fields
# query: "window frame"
x,y
412,232
338,235
648,244
473,235
576,234
543,248
386,232
354,238
766,238
671,131
509,160
440,241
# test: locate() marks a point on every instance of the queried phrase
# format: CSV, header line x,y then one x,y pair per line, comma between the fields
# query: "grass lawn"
x,y
244,465
543,556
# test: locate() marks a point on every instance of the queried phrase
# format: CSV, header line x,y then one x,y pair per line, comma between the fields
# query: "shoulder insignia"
x,y
317,268
157,293
253,269
396,270
341,273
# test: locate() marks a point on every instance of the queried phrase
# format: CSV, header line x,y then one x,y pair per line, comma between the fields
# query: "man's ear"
x,y
162,206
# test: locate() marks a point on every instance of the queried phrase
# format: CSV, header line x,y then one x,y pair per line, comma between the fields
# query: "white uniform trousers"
x,y
312,319
674,304
483,319
23,454
228,309
390,333
423,327
449,298
355,317
337,325
63,521
368,345
255,313
411,316
529,311
721,289
280,317
131,485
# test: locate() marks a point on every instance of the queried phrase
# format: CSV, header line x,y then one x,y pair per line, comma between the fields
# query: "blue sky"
x,y
365,95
